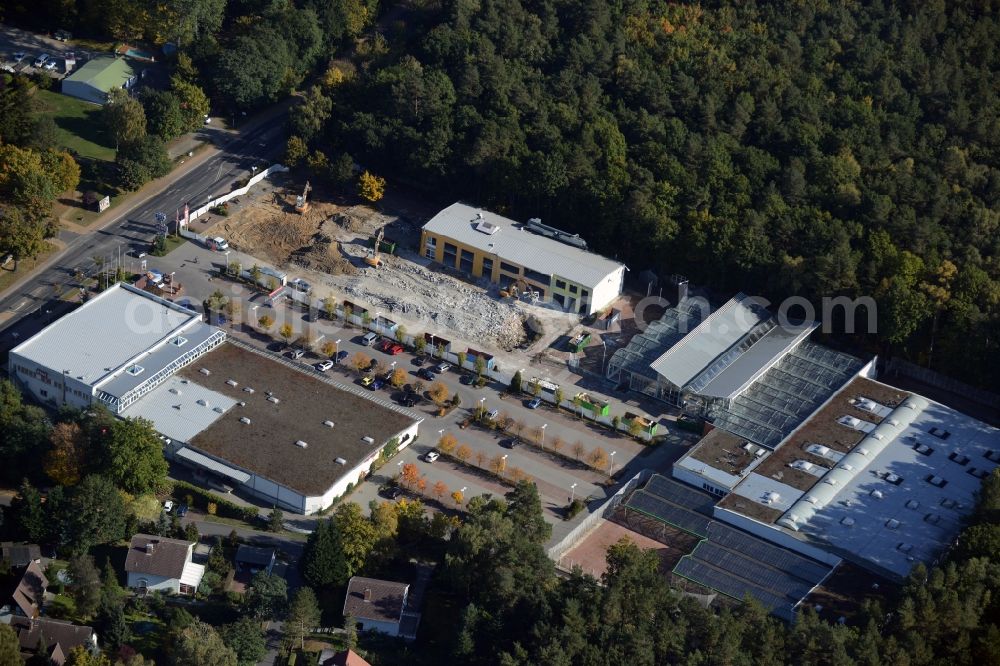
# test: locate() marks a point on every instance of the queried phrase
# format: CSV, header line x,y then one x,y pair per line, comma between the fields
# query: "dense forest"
x,y
812,148
513,610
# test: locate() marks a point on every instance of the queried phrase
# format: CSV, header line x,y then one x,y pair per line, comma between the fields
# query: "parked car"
x,y
442,367
492,414
219,244
377,384
19,56
409,400
49,65
41,60
432,456
373,364
508,443
341,356
535,403
323,366
367,381
63,35
168,506
369,339
392,493
418,361
296,353
425,373
395,348
466,380
182,510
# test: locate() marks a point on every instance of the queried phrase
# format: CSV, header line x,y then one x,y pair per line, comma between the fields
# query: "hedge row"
x,y
223,507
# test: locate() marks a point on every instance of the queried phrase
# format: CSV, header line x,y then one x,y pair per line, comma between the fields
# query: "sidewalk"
x,y
142,196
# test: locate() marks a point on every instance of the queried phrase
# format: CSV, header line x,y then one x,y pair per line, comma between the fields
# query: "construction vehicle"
x,y
373,258
302,201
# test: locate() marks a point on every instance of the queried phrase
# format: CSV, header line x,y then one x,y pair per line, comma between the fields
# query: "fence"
x,y
897,366
274,168
577,534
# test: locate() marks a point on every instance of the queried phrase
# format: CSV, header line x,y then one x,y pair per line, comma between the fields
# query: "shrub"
x,y
573,508
212,508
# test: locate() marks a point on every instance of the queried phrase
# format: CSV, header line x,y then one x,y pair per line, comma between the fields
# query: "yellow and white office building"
x,y
487,245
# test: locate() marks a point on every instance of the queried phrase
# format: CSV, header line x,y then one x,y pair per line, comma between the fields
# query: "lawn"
x,y
79,125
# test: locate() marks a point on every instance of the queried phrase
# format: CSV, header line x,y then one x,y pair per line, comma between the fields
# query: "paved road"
x,y
205,178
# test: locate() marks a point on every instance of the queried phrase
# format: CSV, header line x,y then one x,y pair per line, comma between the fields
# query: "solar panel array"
x,y
667,512
782,558
680,494
755,572
703,574
728,560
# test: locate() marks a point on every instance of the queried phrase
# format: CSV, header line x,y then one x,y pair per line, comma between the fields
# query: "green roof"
x,y
103,73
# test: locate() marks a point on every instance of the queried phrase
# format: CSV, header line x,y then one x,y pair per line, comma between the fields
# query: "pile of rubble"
x,y
438,301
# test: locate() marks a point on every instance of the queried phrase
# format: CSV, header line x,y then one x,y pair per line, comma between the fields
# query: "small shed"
x,y
252,558
97,78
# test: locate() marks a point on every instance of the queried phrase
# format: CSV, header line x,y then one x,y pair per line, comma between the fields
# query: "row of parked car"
x,y
43,61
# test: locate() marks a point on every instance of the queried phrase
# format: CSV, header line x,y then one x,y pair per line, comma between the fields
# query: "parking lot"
x,y
13,40
558,480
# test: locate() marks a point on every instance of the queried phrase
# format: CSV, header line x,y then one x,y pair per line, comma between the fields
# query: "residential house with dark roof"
x,y
28,596
158,563
55,637
376,605
20,554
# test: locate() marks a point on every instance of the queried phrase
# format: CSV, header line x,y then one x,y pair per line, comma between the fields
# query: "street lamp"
x,y
611,469
336,344
604,353
572,493
503,465
544,426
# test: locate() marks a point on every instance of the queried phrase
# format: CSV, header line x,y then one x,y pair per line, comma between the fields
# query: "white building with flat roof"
x,y
113,349
526,257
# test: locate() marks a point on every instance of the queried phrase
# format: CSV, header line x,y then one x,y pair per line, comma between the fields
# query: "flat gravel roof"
x,y
305,401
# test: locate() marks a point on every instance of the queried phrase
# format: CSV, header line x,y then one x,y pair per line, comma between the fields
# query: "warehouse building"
x,y
97,78
240,417
878,476
115,348
531,258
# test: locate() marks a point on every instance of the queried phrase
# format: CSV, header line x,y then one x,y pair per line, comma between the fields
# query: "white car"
x,y
432,456
41,60
168,506
323,366
50,65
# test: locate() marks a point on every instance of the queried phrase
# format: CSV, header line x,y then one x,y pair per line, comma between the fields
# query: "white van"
x,y
369,339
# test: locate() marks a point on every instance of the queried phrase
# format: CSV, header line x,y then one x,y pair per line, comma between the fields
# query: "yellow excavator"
x,y
373,259
302,201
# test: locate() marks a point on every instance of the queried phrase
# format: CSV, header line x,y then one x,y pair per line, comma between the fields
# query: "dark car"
x,y
508,443
467,380
409,399
425,373
373,364
182,510
276,346
535,403
418,361
341,356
